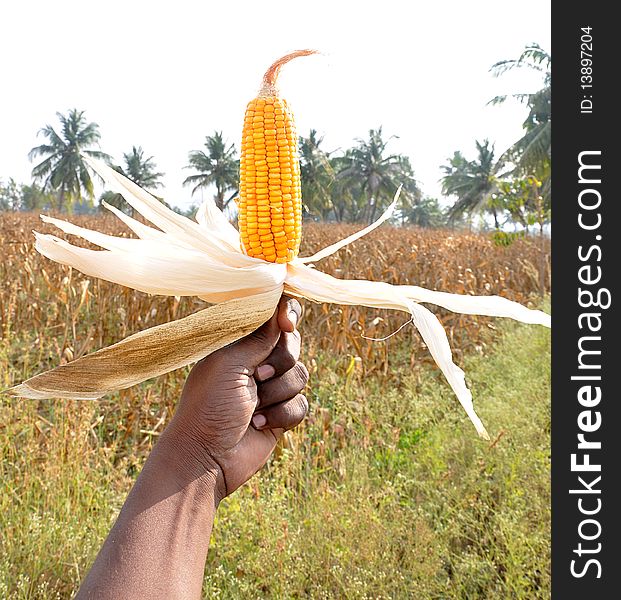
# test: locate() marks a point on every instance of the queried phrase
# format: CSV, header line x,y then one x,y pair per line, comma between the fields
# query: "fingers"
x,y
285,415
285,386
289,313
286,352
256,347
252,350
283,357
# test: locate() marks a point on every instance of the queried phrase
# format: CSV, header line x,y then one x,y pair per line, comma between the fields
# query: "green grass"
x,y
384,492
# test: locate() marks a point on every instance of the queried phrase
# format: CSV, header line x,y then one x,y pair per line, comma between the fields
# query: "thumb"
x,y
253,349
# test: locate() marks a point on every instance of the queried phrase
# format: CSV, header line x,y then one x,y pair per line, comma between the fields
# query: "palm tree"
x,y
317,176
64,171
345,193
532,153
378,175
424,212
141,170
218,166
475,183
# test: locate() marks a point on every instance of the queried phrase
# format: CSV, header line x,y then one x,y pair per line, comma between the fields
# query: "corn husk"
x,y
153,352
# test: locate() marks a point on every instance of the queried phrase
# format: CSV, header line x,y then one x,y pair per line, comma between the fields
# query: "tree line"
x,y
354,185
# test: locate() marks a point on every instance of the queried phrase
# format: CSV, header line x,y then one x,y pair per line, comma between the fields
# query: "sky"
x,y
163,75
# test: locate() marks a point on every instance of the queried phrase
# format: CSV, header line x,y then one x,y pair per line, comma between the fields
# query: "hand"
x,y
158,545
238,401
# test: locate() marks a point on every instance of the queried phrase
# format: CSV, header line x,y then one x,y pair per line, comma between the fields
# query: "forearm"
x,y
158,545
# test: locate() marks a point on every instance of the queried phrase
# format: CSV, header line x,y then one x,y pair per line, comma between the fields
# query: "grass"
x,y
384,492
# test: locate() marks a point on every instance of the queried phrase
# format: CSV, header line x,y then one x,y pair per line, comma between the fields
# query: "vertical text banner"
x,y
586,418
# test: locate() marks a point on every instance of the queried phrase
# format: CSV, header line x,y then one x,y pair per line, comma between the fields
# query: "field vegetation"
x,y
385,491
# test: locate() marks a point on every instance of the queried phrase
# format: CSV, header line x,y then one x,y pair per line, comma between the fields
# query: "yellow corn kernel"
x,y
270,205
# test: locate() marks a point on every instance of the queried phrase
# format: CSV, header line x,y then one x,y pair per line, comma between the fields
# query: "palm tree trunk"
x,y
373,210
543,260
341,213
496,224
220,199
337,215
361,214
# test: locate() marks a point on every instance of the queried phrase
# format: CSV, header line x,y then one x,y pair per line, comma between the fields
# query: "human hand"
x,y
207,451
256,380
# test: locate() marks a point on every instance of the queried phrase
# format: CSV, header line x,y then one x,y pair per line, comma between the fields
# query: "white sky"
x,y
164,75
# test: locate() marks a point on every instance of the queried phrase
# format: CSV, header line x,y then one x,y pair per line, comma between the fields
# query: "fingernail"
x,y
264,372
293,317
259,421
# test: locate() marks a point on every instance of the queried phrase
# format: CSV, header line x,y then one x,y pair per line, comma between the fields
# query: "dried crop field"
x,y
67,465
67,314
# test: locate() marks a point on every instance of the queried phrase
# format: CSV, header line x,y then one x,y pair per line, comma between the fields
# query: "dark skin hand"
x,y
235,405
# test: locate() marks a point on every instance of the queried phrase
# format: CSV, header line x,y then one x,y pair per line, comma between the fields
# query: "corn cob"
x,y
270,197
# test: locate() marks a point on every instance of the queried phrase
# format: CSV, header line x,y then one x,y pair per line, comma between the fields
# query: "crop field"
x,y
66,314
385,491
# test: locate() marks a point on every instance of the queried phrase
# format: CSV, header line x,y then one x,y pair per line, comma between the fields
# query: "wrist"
x,y
189,463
